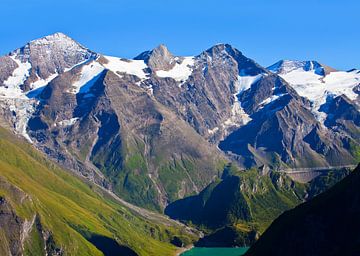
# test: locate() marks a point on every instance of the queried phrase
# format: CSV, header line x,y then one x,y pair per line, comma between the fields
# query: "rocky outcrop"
x,y
159,58
11,229
18,233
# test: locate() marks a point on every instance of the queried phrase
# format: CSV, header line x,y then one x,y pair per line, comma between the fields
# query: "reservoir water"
x,y
215,251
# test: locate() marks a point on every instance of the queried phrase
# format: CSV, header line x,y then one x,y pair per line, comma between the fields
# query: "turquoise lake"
x,y
204,251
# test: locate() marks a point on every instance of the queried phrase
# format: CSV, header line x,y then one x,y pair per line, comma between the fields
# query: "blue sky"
x,y
265,30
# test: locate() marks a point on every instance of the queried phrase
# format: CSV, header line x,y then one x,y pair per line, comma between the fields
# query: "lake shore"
x,y
183,249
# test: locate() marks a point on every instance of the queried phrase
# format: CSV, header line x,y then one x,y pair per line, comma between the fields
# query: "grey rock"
x,y
158,59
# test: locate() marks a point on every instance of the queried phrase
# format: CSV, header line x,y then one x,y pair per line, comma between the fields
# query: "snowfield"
x,y
317,88
86,79
131,67
238,115
180,72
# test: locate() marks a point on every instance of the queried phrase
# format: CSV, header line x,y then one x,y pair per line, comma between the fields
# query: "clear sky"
x,y
265,30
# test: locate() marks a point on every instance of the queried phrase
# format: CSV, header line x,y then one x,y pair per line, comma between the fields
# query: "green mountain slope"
x,y
243,204
246,200
326,225
45,210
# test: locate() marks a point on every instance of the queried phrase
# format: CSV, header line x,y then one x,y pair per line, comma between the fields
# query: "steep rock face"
x,y
277,130
206,100
118,136
326,225
342,114
56,121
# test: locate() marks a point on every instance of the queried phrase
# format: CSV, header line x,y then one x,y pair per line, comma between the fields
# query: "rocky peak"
x,y
53,38
221,49
56,42
220,52
160,58
51,55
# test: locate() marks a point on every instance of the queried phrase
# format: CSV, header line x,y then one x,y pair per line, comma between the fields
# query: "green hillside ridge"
x,y
70,213
243,204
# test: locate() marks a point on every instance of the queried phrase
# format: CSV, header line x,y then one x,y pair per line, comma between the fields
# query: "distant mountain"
x,y
160,127
284,67
46,211
327,225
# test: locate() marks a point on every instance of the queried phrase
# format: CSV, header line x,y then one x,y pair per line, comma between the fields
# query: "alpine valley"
x,y
96,149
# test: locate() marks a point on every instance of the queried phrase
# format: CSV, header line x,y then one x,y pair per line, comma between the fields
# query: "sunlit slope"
x,y
46,208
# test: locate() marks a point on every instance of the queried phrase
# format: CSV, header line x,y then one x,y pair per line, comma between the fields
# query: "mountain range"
x,y
214,140
166,125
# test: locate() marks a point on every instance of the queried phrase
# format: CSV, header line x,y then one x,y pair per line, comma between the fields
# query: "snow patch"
x,y
213,131
42,82
180,72
244,82
11,88
238,116
86,79
148,88
131,67
69,122
272,98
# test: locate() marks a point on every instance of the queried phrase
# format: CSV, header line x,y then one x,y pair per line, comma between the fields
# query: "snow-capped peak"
x,y
286,66
56,38
54,44
316,82
52,54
